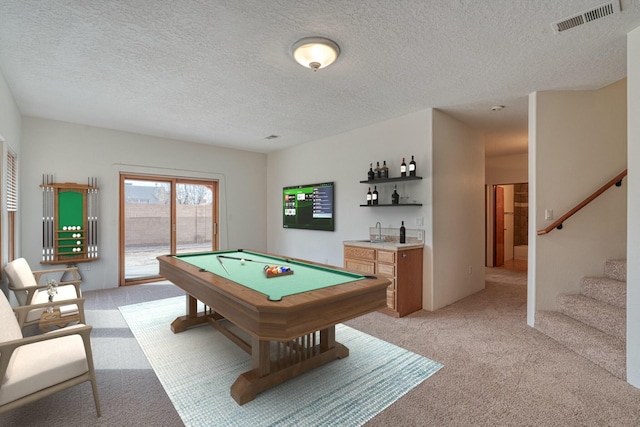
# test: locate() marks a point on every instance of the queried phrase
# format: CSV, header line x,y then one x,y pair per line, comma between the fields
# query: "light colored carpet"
x,y
197,368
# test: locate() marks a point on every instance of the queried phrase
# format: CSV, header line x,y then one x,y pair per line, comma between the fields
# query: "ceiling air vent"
x,y
587,16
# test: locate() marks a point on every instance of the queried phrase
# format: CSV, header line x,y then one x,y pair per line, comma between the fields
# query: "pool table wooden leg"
x,y
192,318
266,373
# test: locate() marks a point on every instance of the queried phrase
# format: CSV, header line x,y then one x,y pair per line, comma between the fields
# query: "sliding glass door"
x,y
194,216
163,215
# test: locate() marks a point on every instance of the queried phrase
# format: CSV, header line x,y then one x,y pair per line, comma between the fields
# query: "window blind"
x,y
12,182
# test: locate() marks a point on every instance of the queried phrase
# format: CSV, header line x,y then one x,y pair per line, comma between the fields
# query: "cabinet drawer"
x,y
359,266
361,253
387,256
387,269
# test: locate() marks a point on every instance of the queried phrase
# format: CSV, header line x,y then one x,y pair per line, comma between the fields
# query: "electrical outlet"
x,y
86,266
420,221
470,270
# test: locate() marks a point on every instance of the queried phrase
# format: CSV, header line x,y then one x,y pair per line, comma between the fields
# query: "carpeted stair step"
x,y
597,314
602,349
607,290
616,269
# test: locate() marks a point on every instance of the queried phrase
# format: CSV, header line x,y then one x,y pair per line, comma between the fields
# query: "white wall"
x,y
508,169
579,143
633,206
458,210
55,147
10,137
345,160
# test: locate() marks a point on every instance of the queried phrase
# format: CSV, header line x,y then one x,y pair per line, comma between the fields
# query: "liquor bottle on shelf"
x,y
374,196
378,170
395,197
371,175
403,168
412,167
403,233
369,196
385,169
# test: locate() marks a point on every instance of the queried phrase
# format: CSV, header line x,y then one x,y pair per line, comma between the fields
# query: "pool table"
x,y
288,320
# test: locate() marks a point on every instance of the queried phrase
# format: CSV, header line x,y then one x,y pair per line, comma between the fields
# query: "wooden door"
x,y
498,226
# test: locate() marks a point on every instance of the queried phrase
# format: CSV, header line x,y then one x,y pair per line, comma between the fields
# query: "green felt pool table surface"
x,y
306,277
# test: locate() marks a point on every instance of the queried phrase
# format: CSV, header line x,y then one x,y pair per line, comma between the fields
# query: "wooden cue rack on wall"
x,y
69,221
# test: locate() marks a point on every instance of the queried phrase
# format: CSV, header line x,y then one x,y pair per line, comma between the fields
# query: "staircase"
x,y
593,323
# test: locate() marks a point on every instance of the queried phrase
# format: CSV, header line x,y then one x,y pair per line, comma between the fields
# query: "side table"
x,y
51,321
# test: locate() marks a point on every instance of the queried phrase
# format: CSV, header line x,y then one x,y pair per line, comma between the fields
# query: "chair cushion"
x,y
9,329
20,275
40,296
43,364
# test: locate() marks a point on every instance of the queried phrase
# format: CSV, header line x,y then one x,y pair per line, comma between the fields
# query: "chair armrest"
x,y
8,347
23,310
30,290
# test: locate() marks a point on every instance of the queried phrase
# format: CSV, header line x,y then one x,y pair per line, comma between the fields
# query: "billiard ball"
x,y
242,261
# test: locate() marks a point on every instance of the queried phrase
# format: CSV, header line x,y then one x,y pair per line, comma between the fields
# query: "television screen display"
x,y
308,207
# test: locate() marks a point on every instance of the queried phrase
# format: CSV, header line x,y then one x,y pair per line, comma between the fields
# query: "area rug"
x,y
197,368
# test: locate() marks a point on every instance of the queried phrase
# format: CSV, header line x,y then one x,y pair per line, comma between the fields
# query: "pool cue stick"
x,y
91,231
45,213
92,221
52,216
222,264
240,259
47,208
48,216
44,223
88,233
87,222
95,216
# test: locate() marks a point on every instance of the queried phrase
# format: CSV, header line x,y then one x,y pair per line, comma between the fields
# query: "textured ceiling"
x,y
220,72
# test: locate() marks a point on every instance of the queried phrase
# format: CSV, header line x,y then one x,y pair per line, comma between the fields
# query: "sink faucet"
x,y
379,228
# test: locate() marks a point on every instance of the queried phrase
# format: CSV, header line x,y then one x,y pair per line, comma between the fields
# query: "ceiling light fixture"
x,y
497,108
315,52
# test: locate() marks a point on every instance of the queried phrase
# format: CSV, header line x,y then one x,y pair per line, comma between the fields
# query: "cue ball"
x,y
242,261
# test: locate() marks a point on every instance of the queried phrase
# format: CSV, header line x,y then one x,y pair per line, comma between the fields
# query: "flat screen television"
x,y
309,207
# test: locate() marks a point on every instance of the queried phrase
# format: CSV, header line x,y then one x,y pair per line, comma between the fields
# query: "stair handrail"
x,y
617,181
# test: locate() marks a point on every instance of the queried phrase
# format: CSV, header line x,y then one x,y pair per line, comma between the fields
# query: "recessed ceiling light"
x,y
497,108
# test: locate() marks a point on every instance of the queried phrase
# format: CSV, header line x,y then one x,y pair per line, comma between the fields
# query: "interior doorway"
x,y
508,226
162,215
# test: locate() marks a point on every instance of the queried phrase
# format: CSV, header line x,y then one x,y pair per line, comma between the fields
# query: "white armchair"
x,y
37,366
25,284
